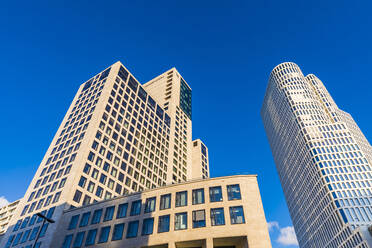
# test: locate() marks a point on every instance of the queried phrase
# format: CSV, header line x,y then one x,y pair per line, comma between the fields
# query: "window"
x,y
91,237
78,242
198,218
73,222
25,236
215,194
132,229
34,233
67,241
17,225
77,196
17,239
148,226
43,230
217,217
180,221
237,215
122,211
233,192
103,236
181,199
109,213
84,219
96,216
198,196
165,201
163,225
150,204
135,208
118,232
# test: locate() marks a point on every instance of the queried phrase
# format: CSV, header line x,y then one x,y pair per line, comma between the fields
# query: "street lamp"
x,y
44,220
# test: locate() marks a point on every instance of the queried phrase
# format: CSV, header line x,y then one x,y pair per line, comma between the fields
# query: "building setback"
x,y
322,158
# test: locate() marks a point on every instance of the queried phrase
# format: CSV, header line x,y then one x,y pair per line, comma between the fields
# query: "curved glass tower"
x,y
322,158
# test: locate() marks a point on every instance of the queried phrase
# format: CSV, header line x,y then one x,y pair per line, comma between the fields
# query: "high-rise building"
x,y
6,214
323,161
200,159
117,137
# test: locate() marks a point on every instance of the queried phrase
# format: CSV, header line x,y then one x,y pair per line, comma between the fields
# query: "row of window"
x,y
215,194
180,223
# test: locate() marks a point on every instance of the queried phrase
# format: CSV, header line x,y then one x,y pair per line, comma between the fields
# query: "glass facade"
x,y
185,98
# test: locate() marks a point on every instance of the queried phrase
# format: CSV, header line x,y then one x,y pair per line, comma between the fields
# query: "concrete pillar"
x,y
209,243
171,245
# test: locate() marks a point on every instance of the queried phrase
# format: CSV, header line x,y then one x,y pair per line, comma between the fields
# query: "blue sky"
x,y
224,49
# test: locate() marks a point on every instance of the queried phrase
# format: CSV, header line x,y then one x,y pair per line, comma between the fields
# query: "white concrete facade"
x,y
322,158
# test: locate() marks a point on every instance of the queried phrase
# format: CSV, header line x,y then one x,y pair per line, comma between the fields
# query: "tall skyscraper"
x,y
323,161
117,137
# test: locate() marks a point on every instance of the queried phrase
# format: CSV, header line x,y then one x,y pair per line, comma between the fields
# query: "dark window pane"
x,y
135,208
148,226
132,229
104,234
150,205
215,194
217,216
96,216
163,225
78,242
118,231
237,215
122,211
67,241
91,237
84,219
73,222
233,192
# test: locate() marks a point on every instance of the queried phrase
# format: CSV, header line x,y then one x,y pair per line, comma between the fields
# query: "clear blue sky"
x,y
224,49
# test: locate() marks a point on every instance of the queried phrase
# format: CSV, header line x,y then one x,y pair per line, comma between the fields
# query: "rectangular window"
x,y
109,213
198,196
73,222
84,219
25,236
77,196
150,205
215,194
78,242
67,241
122,211
198,218
135,208
96,216
165,201
233,192
34,233
217,216
91,237
180,221
237,215
104,234
163,225
132,229
181,199
118,232
148,226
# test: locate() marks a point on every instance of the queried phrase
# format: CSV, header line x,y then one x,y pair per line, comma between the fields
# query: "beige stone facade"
x,y
242,223
6,213
200,160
